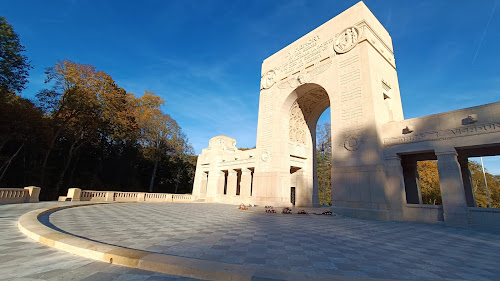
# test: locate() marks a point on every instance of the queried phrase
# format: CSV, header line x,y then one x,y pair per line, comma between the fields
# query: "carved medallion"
x,y
268,80
353,142
299,150
346,40
265,156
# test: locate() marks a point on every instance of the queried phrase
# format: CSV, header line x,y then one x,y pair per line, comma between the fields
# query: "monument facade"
x,y
347,64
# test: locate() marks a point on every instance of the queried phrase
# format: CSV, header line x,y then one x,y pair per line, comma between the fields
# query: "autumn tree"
x,y
85,106
14,65
479,186
324,162
429,182
430,189
160,135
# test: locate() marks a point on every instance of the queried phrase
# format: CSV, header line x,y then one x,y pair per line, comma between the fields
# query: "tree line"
x,y
85,131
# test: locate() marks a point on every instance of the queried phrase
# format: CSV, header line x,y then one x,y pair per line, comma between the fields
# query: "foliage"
x,y
479,186
88,132
14,65
324,162
431,193
429,182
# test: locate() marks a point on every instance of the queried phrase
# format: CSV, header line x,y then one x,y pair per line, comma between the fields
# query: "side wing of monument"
x,y
347,64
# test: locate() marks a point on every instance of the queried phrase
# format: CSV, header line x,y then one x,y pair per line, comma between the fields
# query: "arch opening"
x,y
303,109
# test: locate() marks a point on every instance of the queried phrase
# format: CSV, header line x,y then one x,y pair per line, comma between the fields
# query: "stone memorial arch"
x,y
347,65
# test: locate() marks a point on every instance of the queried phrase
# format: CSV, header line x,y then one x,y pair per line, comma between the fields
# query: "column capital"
x,y
446,151
246,171
393,160
232,172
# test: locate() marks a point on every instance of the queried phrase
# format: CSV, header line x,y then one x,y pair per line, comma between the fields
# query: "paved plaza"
x,y
320,244
24,259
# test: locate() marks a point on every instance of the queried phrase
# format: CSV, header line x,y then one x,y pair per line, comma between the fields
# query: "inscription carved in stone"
x,y
306,76
445,134
346,40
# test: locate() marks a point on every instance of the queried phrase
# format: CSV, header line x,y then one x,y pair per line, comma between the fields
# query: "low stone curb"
x,y
30,225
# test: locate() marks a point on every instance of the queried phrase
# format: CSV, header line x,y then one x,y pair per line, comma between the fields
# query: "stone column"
x,y
75,194
34,193
452,188
396,193
214,186
203,184
221,177
467,181
411,183
232,181
246,181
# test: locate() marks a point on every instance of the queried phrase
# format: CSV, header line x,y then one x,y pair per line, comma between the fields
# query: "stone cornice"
x,y
369,35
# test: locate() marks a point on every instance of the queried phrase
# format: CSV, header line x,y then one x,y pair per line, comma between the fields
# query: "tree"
x,y
479,186
14,65
21,124
431,192
161,136
85,107
429,182
324,162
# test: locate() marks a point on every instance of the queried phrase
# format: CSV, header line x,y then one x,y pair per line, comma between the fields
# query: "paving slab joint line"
x,y
30,225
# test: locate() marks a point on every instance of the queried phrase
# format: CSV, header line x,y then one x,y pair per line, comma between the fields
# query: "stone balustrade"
x,y
182,197
19,195
76,194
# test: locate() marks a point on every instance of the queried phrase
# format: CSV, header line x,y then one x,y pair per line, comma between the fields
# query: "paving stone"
x,y
317,244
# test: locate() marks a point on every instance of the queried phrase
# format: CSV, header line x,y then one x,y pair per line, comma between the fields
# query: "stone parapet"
x,y
76,194
28,194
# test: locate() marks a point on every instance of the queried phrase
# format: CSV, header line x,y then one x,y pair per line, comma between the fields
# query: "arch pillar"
x,y
246,181
452,188
232,181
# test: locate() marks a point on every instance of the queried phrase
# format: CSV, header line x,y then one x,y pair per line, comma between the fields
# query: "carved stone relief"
x,y
223,143
297,124
353,142
300,111
346,40
268,80
305,76
265,156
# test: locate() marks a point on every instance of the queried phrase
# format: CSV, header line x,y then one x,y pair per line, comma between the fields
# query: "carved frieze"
x,y
305,76
346,40
445,134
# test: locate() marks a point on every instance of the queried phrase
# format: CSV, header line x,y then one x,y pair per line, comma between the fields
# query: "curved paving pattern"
x,y
23,259
297,243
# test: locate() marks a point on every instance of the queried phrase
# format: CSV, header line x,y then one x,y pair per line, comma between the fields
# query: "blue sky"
x,y
204,57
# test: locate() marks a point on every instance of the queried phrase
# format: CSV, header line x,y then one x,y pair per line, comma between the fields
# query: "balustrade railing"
x,y
76,194
19,195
